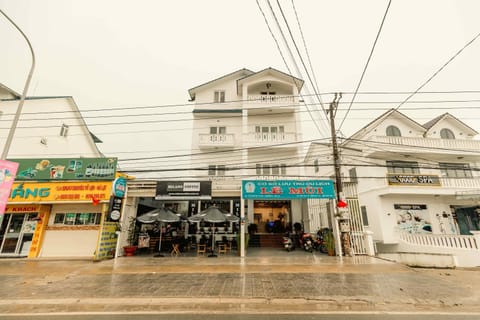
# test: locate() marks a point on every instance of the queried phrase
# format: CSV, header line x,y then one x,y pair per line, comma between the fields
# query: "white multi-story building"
x,y
247,126
51,212
417,185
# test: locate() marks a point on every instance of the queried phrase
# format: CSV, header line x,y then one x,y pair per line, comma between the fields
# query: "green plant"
x,y
132,234
329,242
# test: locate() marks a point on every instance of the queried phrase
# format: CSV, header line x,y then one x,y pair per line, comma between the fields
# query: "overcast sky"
x,y
118,54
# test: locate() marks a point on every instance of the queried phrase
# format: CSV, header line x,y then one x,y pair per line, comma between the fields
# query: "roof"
x,y
298,82
243,75
434,121
192,91
381,118
12,92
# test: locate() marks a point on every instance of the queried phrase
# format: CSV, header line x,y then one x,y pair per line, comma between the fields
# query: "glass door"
x,y
17,233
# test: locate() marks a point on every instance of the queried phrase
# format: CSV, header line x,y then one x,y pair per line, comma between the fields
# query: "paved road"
x,y
274,283
296,316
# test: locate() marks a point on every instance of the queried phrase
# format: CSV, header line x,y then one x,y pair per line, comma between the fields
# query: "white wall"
x,y
71,241
43,118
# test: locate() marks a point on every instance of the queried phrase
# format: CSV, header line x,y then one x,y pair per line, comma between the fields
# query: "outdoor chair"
x,y
201,248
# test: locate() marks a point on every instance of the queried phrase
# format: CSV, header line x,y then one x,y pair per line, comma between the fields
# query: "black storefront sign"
x,y
115,208
184,190
410,206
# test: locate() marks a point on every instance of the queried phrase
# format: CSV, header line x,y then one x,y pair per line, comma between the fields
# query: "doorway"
x,y
272,216
468,219
16,233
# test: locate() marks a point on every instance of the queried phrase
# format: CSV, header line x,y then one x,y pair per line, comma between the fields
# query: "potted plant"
x,y
132,238
329,240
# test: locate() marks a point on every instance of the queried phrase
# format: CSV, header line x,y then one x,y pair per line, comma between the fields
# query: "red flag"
x,y
342,204
95,200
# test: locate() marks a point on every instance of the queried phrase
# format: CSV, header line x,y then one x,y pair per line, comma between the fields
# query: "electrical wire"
x,y
366,65
439,70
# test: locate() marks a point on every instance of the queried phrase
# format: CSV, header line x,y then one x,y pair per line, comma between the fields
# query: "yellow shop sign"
x,y
60,191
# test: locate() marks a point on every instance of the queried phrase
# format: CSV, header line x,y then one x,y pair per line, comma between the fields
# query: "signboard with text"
x,y
66,169
288,189
184,190
60,191
423,180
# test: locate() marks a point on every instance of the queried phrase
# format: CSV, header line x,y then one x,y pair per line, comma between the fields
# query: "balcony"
x,y
262,103
277,140
216,141
383,145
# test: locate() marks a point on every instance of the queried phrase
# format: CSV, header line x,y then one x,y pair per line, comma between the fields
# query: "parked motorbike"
x,y
288,243
319,242
307,242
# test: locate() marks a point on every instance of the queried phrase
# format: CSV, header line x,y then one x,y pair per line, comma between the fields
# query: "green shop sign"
x,y
66,169
288,189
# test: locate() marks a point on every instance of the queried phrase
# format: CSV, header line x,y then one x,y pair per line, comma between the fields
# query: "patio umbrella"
x,y
213,215
159,215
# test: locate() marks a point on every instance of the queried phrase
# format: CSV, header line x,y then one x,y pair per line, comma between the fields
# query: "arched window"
x,y
393,131
446,134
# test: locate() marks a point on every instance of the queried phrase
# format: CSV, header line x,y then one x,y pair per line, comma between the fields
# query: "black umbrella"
x,y
213,215
159,215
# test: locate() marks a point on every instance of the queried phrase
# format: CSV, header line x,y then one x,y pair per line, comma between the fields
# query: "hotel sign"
x,y
288,189
413,180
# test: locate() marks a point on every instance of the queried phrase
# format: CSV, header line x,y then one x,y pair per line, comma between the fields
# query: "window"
x,y
216,170
270,133
77,219
219,96
218,130
64,130
455,170
406,167
353,175
315,165
393,131
446,134
271,169
364,215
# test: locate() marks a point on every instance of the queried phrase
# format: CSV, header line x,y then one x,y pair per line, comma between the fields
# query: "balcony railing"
x,y
271,138
216,140
425,145
272,99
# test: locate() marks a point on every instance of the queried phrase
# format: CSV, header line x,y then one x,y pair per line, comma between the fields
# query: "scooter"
x,y
288,243
307,242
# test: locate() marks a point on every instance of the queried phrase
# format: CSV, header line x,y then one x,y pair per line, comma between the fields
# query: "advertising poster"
x,y
8,170
413,218
107,243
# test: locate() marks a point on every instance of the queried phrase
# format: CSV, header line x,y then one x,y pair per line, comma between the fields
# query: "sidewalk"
x,y
269,281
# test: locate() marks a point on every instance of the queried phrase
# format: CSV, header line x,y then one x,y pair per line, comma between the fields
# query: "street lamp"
x,y
8,142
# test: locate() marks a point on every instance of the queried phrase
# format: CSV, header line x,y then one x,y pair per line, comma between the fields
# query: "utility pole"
x,y
342,216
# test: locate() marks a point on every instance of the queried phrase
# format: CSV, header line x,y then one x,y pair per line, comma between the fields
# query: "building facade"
x,y
63,185
416,183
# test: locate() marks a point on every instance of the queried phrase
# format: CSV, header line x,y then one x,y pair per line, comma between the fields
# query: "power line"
x,y
366,65
439,70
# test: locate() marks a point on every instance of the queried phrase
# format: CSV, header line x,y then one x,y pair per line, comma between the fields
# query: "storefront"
x,y
56,207
54,219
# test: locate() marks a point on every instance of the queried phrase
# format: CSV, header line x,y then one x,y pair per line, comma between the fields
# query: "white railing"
x,y
441,241
460,182
440,145
216,140
269,138
272,99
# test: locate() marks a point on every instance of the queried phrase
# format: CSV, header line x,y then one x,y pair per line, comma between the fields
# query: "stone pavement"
x,y
266,281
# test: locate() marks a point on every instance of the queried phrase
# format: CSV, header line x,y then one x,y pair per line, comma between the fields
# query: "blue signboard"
x,y
288,189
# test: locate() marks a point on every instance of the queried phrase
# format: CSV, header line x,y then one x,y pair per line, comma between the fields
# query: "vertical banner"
x,y
8,171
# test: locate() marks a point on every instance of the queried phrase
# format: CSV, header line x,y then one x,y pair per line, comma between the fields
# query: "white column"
x,y
242,225
369,246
